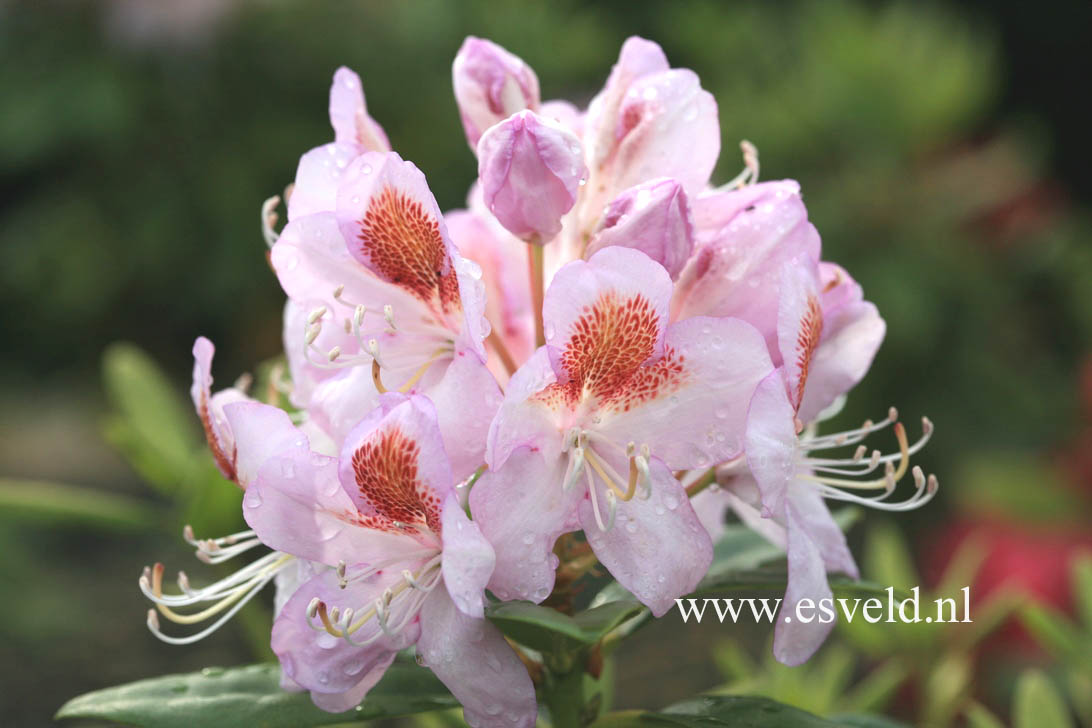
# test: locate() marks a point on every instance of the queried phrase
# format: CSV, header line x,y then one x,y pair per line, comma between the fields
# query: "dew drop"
x,y
366,169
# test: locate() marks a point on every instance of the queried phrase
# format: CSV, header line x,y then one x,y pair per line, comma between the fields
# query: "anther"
x,y
334,353
341,580
388,314
859,453
317,314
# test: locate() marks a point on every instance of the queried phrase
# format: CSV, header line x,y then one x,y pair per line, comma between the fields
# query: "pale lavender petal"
x,y
321,662
653,217
530,170
522,509
770,442
528,416
468,559
795,641
393,464
743,239
466,399
317,177
657,548
349,114
490,85
472,659
799,324
691,405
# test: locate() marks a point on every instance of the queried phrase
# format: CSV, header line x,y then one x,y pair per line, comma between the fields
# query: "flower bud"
x,y
530,170
654,218
491,84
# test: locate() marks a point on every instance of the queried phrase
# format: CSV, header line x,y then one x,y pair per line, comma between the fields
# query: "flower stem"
x,y
702,483
534,257
563,694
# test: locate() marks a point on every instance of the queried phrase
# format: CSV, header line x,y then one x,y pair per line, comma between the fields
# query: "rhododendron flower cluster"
x,y
600,356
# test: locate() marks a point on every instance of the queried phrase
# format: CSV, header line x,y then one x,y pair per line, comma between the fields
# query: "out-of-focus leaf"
x,y
250,696
546,629
736,711
861,720
979,717
775,579
875,690
887,557
1050,628
211,502
1082,587
945,688
152,427
1037,704
55,504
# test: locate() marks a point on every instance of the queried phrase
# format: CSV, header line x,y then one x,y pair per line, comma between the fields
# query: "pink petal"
x,y
525,419
604,317
638,58
392,225
657,549
468,559
475,663
811,512
530,169
466,381
796,641
490,84
770,442
261,432
311,261
326,664
743,239
340,702
317,178
852,334
690,406
394,467
799,324
210,409
522,509
667,127
296,503
503,260
563,113
349,114
653,217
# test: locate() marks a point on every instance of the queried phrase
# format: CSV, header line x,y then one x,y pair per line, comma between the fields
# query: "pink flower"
x,y
390,305
530,170
210,410
349,115
407,566
490,84
782,496
653,217
594,423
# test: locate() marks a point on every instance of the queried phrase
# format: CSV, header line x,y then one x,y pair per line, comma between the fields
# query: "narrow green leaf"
x,y
251,696
152,425
55,504
979,717
1082,587
1050,628
546,629
862,720
1037,704
776,579
721,710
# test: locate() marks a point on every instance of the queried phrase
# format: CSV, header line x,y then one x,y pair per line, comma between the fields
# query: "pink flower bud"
x,y
491,84
530,170
654,218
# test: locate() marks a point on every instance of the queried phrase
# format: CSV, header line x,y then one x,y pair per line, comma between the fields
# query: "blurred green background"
x,y
943,151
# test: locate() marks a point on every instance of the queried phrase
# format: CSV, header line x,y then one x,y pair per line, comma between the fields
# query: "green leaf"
x,y
1037,704
861,720
152,426
776,579
724,710
979,717
54,504
547,630
251,696
1050,628
1082,587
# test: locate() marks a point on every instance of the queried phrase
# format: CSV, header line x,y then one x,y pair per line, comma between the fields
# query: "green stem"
x,y
563,694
